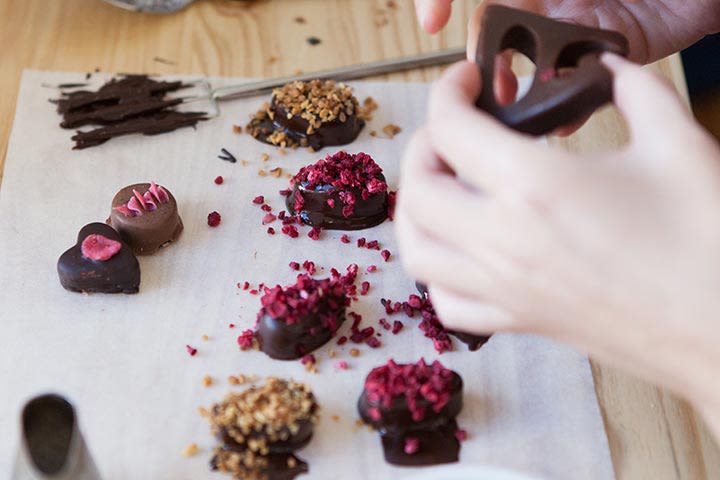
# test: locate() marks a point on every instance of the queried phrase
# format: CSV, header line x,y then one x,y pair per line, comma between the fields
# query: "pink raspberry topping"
x,y
140,203
415,382
99,247
412,445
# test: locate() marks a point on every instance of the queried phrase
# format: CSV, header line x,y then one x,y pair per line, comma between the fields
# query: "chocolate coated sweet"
x,y
558,96
99,262
340,192
474,342
413,407
311,114
146,216
297,319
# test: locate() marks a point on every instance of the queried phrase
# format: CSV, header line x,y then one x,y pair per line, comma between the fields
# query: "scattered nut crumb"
x,y
391,130
272,59
276,172
262,173
237,128
331,353
243,162
335,418
207,381
190,450
354,352
264,157
373,133
205,337
282,151
300,20
203,411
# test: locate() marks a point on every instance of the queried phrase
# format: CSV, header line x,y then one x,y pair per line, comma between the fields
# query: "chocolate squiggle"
x,y
140,203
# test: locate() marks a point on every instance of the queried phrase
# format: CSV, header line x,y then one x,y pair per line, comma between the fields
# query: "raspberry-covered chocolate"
x,y
311,114
146,216
342,191
413,407
296,319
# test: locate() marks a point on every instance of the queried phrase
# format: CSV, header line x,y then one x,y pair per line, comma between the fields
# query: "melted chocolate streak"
x,y
131,104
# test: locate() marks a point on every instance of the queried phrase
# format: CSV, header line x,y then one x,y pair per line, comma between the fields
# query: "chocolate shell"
x,y
281,341
150,230
117,274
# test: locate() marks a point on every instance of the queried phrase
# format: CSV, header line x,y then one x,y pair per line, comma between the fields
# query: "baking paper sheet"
x,y
530,403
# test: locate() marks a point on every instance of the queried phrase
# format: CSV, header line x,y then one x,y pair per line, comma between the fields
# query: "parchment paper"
x,y
530,403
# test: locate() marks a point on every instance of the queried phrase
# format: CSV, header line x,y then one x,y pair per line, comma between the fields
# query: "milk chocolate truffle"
x,y
146,216
261,428
413,407
311,114
297,319
342,192
474,342
99,262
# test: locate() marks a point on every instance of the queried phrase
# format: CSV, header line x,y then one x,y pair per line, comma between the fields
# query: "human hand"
x,y
616,253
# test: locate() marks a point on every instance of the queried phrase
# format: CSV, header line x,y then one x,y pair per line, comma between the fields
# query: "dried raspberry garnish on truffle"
x,y
99,247
342,191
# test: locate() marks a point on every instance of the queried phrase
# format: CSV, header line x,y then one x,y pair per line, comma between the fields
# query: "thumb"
x,y
433,14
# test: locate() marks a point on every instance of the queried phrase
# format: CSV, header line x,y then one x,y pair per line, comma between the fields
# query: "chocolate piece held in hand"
x,y
146,216
314,114
413,407
342,191
570,82
296,319
474,342
261,428
99,262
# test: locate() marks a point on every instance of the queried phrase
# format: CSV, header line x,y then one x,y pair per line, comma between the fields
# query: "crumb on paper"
x,y
300,20
207,381
276,172
391,130
190,450
282,151
262,173
373,133
264,157
272,59
368,108
335,418
237,128
206,337
354,352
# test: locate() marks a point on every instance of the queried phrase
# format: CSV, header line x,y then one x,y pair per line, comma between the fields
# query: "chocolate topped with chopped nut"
x,y
311,114
413,406
261,427
342,191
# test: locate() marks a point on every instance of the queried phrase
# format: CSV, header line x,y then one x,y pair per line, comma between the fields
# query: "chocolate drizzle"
x,y
122,106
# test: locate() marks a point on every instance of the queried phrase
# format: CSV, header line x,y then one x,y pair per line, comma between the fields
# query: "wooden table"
x,y
652,434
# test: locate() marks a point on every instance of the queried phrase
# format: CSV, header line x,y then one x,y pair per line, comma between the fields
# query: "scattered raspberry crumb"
x,y
213,219
385,255
259,200
341,364
345,239
397,326
254,291
231,325
192,351
219,180
364,288
412,445
246,339
361,242
373,245
246,285
309,358
309,267
384,323
342,340
371,268
373,342
314,233
290,230
285,192
265,207
269,218
271,231
461,435
294,265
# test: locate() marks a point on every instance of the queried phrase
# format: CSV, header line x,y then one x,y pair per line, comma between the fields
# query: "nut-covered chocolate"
x,y
313,114
146,216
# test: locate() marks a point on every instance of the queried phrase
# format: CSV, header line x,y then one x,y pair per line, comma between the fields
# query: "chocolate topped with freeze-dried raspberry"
x,y
342,191
296,319
99,262
261,427
146,216
474,342
311,114
413,407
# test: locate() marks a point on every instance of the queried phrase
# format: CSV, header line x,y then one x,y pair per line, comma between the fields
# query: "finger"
x,y
469,315
505,82
646,101
433,15
568,130
476,146
429,261
475,21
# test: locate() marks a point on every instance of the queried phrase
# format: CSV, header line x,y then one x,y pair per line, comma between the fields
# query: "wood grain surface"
x,y
652,434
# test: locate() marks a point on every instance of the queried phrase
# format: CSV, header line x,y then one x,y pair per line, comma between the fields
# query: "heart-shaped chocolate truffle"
x,y
99,262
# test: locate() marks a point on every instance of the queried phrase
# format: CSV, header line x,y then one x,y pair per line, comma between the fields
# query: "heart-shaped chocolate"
x,y
99,262
557,96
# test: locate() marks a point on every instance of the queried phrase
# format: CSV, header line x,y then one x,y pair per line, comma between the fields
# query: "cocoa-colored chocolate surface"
x,y
317,212
122,106
570,82
284,341
119,274
146,233
333,133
